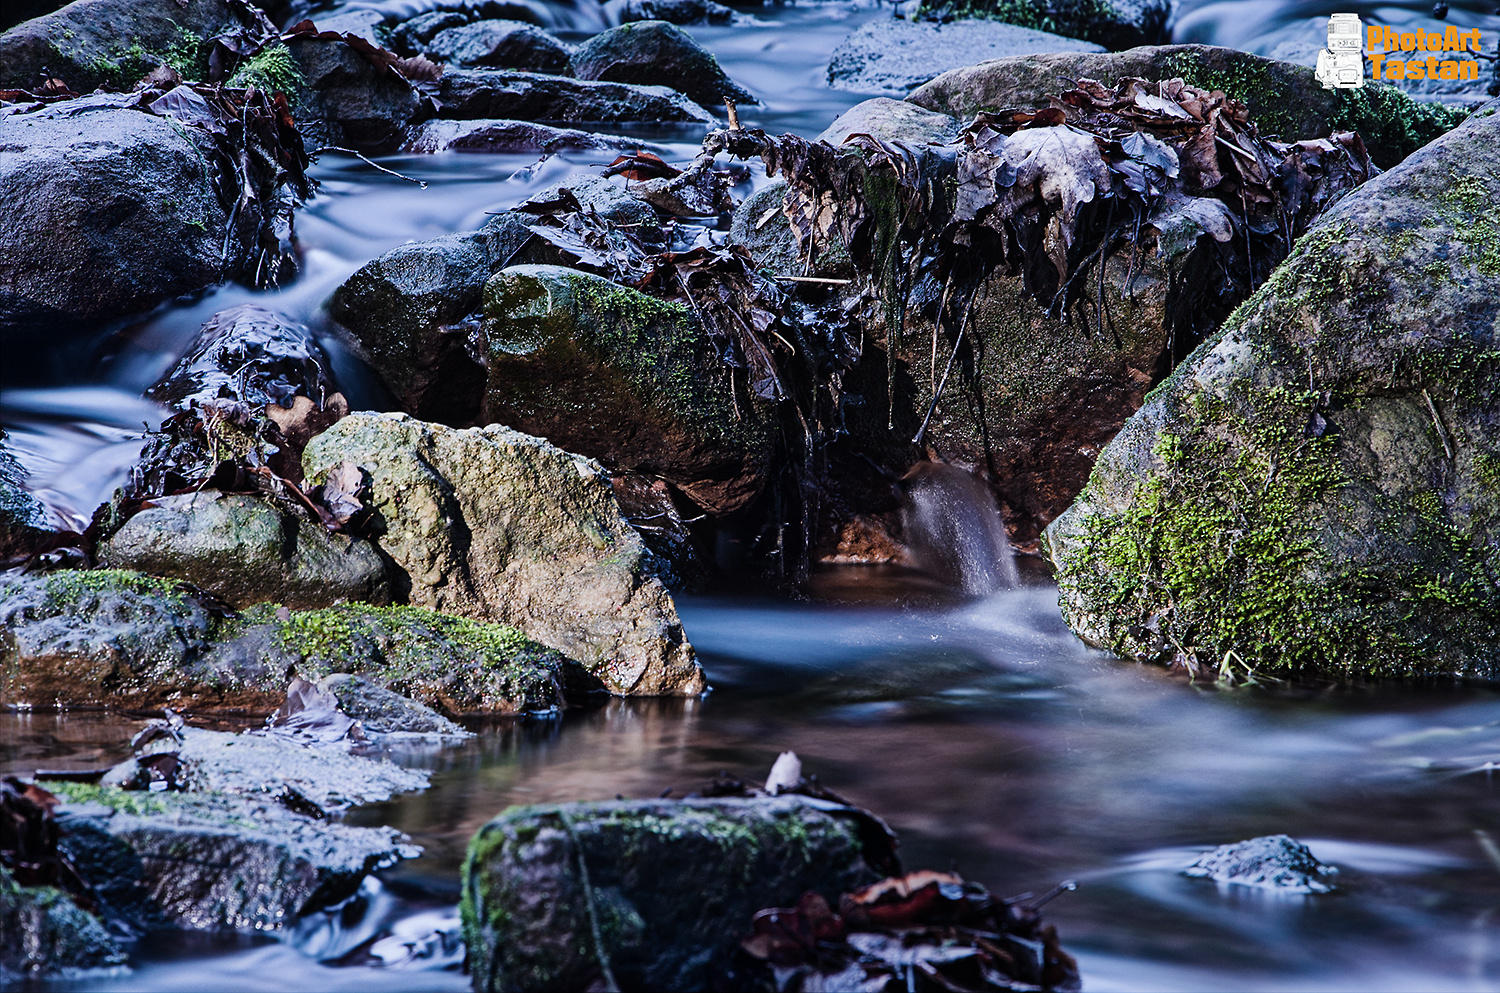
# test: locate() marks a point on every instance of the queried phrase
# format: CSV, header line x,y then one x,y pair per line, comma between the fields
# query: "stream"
x,y
978,727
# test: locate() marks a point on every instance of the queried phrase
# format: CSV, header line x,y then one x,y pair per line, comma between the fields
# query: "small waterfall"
x,y
954,529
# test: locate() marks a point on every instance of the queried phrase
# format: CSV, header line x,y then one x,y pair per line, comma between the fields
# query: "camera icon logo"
x,y
1342,64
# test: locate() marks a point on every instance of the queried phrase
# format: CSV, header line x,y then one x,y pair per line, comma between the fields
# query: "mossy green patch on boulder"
x,y
1283,98
656,892
1313,491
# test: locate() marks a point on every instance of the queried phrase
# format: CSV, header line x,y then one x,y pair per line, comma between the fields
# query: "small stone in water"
x,y
1274,862
786,773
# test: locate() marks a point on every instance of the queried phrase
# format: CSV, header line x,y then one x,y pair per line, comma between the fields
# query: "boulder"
x,y
498,526
44,934
122,639
246,550
343,100
407,310
411,37
895,57
658,53
25,526
109,212
1317,489
499,44
514,136
892,120
247,354
671,11
657,393
381,712
649,894
1115,24
1284,99
1273,862
475,93
113,43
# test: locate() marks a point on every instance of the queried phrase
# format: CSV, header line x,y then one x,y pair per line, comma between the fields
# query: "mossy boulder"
x,y
247,550
44,934
622,377
499,526
115,638
1317,489
1283,98
655,893
656,53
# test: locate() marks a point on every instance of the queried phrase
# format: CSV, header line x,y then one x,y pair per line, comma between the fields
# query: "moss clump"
x,y
72,587
1383,113
271,69
137,802
121,68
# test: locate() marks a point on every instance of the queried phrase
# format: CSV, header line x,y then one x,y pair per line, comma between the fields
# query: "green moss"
x,y
1383,113
1469,206
137,802
271,69
1091,20
74,586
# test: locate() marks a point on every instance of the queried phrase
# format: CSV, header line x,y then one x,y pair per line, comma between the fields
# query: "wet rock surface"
x,y
658,54
892,120
380,712
342,99
512,136
672,11
895,57
1272,862
543,544
25,525
652,893
499,44
485,93
1368,432
43,933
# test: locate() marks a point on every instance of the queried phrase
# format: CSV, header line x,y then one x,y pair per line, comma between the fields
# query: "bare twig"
x,y
366,161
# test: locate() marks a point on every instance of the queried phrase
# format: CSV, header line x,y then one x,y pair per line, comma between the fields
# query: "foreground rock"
x,y
895,57
499,526
657,893
44,933
483,93
656,53
892,120
1365,431
559,339
1272,862
1285,99
123,640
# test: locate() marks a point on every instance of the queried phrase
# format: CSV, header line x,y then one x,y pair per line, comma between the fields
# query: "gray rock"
x,y
608,197
500,44
503,527
214,861
562,341
246,550
671,885
25,525
1368,430
379,711
476,93
895,57
892,120
92,43
1115,24
658,53
121,639
44,934
671,11
1274,862
515,136
344,100
108,212
365,24
250,355
409,37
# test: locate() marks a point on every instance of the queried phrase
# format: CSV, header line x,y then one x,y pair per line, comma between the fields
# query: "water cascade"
x,y
954,529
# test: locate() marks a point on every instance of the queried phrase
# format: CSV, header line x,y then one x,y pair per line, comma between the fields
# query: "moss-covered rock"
x,y
499,526
656,892
1283,98
658,397
658,54
1317,489
44,934
123,639
246,550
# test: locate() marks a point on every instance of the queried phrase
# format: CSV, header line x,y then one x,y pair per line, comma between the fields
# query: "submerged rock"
x,y
658,54
1284,99
650,894
121,639
1273,862
496,525
895,56
1317,489
560,341
247,550
476,93
501,45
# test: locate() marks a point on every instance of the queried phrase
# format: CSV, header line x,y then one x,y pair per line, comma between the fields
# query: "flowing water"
x,y
962,711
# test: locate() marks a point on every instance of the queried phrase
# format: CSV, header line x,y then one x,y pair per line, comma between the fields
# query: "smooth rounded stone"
x,y
410,37
379,711
892,120
25,526
120,639
484,93
113,43
895,56
603,195
501,44
500,136
1283,99
656,395
1356,396
661,890
499,526
1273,862
658,53
44,934
246,550
248,354
213,861
343,100
671,11
108,213
407,308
